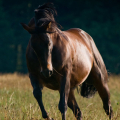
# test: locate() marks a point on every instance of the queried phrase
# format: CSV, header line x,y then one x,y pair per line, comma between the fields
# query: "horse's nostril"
x,y
42,73
50,72
47,73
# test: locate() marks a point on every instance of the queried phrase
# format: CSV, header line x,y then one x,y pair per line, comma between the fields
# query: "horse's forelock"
x,y
49,7
45,14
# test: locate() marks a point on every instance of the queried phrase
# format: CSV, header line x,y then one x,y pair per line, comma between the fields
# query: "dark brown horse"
x,y
62,60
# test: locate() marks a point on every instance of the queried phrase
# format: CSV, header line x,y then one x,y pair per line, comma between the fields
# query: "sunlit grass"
x,y
17,101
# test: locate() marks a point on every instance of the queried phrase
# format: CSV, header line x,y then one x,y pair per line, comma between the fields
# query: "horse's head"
x,y
41,43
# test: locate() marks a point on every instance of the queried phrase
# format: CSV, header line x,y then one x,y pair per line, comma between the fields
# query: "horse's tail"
x,y
87,90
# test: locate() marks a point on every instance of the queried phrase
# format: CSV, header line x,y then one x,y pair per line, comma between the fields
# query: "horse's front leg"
x,y
64,93
37,92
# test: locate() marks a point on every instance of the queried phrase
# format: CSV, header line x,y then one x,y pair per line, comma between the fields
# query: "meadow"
x,y
17,101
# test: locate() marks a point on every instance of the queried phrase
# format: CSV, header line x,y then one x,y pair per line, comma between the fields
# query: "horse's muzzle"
x,y
47,73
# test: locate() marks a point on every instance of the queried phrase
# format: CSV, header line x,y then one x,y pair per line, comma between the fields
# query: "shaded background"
x,y
100,18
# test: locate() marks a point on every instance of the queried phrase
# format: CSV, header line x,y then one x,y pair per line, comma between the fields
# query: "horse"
x,y
63,60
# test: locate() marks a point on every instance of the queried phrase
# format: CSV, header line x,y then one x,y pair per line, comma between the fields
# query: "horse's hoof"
x,y
79,118
111,114
49,119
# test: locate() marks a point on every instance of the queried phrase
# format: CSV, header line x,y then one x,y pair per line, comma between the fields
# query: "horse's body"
x,y
76,50
62,60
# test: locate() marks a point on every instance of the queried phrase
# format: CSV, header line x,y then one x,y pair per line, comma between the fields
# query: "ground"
x,y
17,101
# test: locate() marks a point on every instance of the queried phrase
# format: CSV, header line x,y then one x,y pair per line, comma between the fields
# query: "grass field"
x,y
17,101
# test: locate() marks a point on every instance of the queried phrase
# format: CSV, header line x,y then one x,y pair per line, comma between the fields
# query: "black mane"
x,y
48,6
45,14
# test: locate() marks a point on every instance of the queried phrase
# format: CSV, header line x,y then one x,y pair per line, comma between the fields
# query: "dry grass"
x,y
15,80
18,103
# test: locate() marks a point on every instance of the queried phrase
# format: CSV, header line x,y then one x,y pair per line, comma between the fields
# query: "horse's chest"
x,y
51,83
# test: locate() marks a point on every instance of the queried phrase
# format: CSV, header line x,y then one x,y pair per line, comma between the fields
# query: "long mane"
x,y
44,14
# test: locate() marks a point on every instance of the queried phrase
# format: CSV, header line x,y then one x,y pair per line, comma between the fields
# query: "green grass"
x,y
17,101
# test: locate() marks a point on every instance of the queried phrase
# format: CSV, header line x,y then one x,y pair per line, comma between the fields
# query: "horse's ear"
x,y
31,30
49,25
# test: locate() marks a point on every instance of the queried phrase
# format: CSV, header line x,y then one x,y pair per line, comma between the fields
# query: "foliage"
x,y
99,18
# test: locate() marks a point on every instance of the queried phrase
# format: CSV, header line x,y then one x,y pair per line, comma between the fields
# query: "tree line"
x,y
101,19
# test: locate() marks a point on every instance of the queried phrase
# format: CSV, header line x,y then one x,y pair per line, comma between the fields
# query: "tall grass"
x,y
17,101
